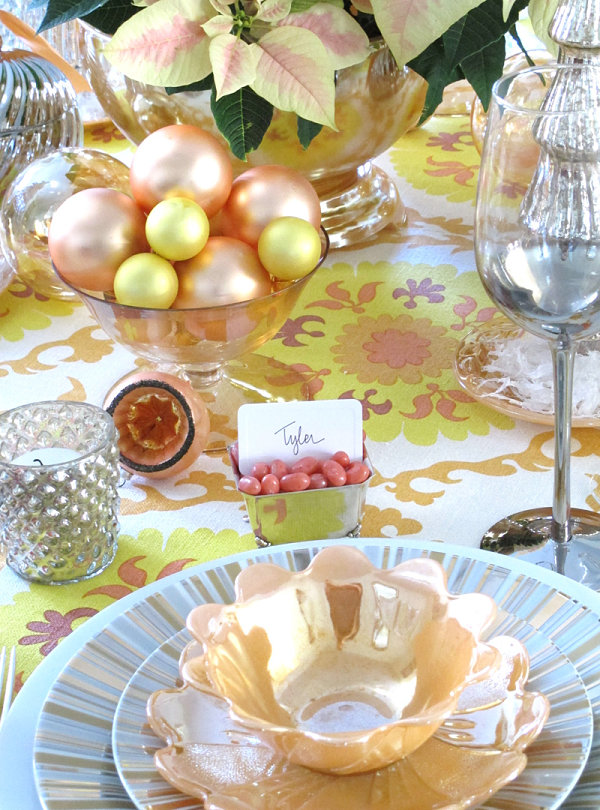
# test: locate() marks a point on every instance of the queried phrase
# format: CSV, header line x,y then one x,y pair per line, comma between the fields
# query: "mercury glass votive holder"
x,y
59,501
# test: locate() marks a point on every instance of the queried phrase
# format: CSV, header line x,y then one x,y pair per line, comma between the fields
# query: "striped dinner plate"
x,y
557,619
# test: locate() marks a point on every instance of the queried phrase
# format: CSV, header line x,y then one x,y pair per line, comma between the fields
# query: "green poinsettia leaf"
x,y
438,77
242,118
60,11
454,53
207,83
480,28
483,68
111,15
307,130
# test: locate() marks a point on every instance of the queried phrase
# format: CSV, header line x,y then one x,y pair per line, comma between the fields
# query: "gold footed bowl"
x,y
212,347
313,665
376,103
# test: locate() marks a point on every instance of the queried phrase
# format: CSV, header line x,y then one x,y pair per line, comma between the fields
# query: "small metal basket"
x,y
313,514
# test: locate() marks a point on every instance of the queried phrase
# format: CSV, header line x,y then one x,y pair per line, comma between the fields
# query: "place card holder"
x,y
288,431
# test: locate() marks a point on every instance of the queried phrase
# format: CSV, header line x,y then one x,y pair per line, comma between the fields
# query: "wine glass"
x,y
537,245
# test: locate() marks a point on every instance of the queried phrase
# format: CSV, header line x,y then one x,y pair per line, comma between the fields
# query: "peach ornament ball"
x,y
226,271
264,193
181,160
92,233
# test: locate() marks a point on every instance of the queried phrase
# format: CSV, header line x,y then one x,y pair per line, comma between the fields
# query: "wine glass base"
x,y
527,535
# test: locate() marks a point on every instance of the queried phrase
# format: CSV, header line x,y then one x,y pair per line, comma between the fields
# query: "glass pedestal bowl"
x,y
212,347
376,102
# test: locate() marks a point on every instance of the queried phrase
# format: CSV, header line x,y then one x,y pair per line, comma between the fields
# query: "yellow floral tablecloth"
x,y
381,324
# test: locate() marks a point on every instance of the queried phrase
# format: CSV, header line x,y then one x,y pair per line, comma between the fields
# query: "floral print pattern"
x,y
55,626
451,164
23,310
391,346
379,325
388,350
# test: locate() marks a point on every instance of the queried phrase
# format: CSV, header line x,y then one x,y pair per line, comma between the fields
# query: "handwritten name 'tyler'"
x,y
296,438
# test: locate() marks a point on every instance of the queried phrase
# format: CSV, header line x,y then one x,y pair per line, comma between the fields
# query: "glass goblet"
x,y
537,245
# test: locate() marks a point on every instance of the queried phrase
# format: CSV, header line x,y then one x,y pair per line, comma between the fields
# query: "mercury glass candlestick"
x,y
59,503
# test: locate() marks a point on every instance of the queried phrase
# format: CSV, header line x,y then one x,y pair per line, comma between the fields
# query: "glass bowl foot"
x,y
356,210
252,378
527,534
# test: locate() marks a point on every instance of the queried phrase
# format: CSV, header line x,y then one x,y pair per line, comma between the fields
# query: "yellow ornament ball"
x,y
289,248
177,228
146,280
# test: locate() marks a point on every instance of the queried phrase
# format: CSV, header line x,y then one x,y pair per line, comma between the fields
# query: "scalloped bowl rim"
x,y
428,717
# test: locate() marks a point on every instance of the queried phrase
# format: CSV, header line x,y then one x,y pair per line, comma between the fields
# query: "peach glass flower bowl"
x,y
343,668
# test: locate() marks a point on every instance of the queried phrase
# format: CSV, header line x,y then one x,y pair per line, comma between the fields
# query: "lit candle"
x,y
59,499
46,455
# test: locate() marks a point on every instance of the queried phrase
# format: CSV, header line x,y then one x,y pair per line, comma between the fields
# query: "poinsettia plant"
x,y
258,55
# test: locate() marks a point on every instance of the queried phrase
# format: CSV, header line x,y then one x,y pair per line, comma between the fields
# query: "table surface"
x,y
380,323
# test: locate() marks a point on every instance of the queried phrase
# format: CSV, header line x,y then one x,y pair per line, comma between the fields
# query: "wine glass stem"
x,y
563,359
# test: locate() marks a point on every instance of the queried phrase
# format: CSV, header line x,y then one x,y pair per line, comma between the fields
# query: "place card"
x,y
291,430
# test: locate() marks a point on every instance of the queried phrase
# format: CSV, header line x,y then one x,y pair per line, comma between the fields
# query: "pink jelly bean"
x,y
249,484
308,465
357,472
294,482
259,470
269,484
279,468
334,473
318,481
234,453
342,458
